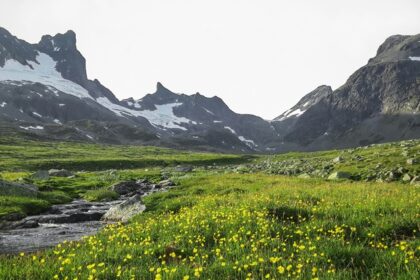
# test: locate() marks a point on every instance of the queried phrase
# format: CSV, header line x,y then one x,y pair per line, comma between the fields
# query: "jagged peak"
x,y
66,41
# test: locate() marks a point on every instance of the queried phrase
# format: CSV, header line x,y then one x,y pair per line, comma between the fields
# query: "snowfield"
x,y
163,116
43,71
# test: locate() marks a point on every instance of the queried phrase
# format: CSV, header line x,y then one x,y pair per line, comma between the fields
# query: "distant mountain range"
x,y
45,94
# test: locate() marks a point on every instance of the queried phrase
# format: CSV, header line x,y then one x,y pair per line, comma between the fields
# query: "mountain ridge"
x,y
46,85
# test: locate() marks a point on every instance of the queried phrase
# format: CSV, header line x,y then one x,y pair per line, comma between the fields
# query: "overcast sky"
x,y
260,56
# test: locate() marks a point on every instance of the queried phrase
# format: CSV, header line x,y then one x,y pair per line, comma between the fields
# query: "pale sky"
x,y
260,56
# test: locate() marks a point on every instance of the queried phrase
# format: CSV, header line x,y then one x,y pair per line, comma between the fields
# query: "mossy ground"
x,y
221,224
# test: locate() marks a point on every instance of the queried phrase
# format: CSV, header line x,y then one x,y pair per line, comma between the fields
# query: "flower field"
x,y
218,225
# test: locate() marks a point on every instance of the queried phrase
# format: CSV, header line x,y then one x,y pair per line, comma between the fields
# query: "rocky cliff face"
x,y
379,102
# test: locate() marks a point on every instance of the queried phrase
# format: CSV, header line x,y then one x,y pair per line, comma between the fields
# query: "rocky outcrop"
x,y
17,189
126,210
60,173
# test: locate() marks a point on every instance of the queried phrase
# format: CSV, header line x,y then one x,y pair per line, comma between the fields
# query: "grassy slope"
x,y
370,163
20,158
221,224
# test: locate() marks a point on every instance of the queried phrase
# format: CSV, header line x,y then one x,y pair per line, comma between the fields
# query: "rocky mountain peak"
x,y
398,48
70,62
59,42
306,102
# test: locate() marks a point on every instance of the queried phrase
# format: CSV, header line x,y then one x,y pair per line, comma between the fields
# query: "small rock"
x,y
60,173
406,178
412,161
339,175
165,183
125,211
17,189
41,175
338,159
182,168
126,187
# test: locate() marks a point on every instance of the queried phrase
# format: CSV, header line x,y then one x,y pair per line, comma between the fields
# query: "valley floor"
x,y
231,217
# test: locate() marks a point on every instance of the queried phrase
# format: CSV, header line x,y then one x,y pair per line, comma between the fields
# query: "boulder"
x,y
165,183
183,168
406,178
338,159
18,189
125,211
339,175
131,187
60,173
41,175
412,161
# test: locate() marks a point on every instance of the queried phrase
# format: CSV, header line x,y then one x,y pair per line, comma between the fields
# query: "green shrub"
x,y
100,195
55,197
29,206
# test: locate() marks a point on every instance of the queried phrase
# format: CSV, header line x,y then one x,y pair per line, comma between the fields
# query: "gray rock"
x,y
41,175
406,178
125,211
60,173
165,183
131,187
339,175
412,161
17,189
183,168
338,159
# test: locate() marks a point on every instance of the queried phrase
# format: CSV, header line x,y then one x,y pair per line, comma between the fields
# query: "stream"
x,y
63,222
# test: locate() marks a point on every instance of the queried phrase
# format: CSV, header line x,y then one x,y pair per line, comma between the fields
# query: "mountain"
x,y
45,94
380,102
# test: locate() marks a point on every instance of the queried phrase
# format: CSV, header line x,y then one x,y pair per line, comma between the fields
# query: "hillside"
x,y
228,216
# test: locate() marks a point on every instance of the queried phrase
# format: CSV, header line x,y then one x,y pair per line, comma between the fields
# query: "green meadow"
x,y
232,217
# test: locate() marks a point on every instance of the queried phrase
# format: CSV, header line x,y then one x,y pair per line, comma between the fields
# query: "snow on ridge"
x,y
38,127
43,72
3,104
414,58
208,111
289,113
163,116
230,129
248,142
37,114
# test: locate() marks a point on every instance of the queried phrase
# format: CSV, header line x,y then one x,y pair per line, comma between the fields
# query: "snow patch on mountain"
x,y
289,113
38,127
230,129
208,111
3,104
247,142
43,71
163,116
414,58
